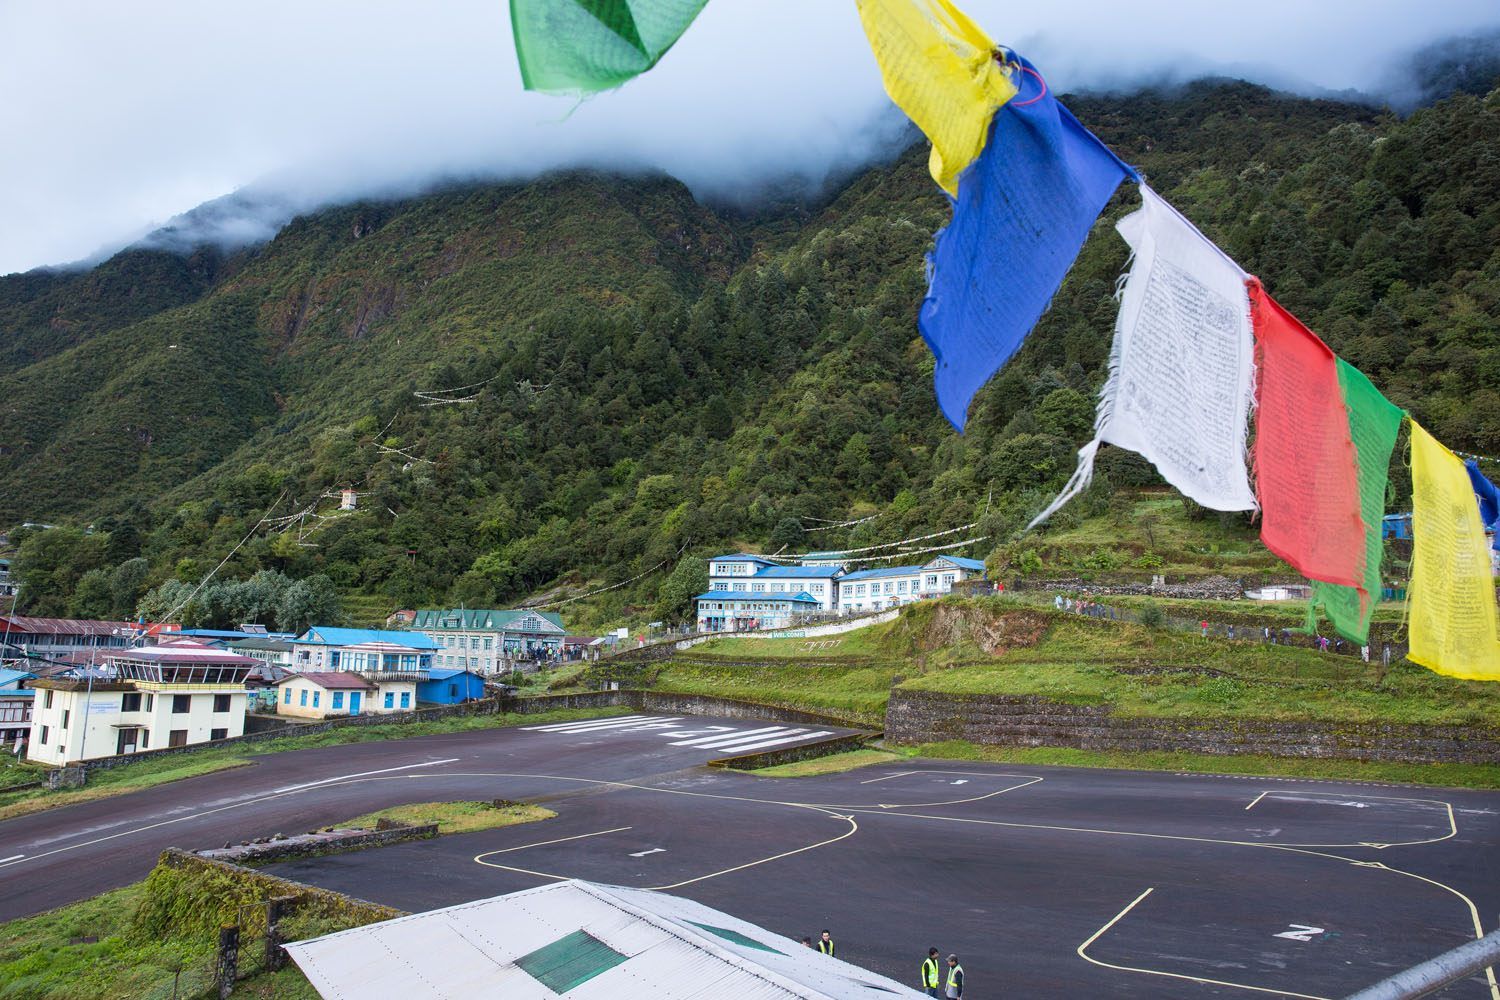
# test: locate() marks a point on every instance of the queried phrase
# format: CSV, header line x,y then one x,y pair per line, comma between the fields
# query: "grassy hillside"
x,y
1003,646
652,379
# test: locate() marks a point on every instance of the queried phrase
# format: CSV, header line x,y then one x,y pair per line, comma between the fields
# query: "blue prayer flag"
x,y
1489,498
1023,210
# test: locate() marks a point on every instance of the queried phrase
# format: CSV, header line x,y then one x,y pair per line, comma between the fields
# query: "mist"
x,y
120,118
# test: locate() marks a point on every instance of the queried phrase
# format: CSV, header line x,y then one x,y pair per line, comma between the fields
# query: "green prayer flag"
x,y
585,46
1374,424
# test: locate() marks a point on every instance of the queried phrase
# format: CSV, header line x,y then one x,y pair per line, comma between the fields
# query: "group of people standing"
x,y
952,985
936,981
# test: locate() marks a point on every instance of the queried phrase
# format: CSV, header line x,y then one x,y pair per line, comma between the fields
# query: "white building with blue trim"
x,y
891,586
747,591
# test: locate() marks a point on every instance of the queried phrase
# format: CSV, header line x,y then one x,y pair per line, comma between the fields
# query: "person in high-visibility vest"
x,y
955,979
825,943
930,973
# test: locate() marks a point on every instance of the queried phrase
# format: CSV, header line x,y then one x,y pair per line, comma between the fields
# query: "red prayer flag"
x,y
1306,471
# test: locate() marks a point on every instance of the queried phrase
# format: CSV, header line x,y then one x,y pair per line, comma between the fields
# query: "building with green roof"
x,y
490,641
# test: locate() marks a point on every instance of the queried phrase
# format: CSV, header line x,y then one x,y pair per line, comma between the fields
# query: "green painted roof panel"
x,y
570,961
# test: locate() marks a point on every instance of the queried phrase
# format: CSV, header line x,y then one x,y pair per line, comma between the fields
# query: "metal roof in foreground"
x,y
582,941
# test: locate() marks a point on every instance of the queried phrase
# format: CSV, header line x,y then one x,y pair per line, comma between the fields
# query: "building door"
x,y
354,697
127,741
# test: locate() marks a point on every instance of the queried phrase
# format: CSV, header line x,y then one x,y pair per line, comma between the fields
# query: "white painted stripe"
x,y
13,857
611,723
641,722
708,741
555,726
794,736
771,743
361,774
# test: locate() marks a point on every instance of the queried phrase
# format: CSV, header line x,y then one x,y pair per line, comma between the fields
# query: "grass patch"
x,y
456,817
1443,775
160,770
39,961
835,763
1139,671
857,693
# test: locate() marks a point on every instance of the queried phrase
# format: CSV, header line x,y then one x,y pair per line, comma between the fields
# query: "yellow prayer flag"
x,y
1453,619
939,67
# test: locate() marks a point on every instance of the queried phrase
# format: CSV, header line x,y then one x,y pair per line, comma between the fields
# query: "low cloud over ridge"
x,y
123,116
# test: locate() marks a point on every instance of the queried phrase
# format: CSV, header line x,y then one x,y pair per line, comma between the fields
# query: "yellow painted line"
x,y
545,843
1255,800
1083,954
1447,807
1294,849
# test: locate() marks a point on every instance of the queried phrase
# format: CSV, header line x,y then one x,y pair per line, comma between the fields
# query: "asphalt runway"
x,y
1049,882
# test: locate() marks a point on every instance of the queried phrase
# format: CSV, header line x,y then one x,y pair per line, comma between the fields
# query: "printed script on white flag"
x,y
1178,391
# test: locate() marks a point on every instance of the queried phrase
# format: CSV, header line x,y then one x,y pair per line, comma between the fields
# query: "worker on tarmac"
x,y
930,973
825,943
955,979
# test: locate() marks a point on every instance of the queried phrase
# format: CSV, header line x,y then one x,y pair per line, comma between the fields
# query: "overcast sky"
x,y
115,116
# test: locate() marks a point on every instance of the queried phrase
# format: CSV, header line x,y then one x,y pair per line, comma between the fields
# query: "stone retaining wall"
x,y
914,717
787,755
356,910
315,844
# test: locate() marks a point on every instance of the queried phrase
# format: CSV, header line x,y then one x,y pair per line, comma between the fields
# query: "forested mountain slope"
x,y
664,378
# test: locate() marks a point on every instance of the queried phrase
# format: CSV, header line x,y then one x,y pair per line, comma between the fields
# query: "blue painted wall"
x,y
461,686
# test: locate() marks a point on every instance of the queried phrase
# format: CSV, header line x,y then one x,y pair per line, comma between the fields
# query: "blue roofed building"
x,y
742,610
878,589
362,650
450,686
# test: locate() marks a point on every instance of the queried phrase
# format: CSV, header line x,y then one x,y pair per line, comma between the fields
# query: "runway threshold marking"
x,y
1083,954
249,800
591,725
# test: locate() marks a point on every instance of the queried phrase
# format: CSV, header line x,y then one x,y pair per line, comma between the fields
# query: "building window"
x,y
288,699
44,734
316,696
338,699
221,703
145,738
932,580
303,700
390,700
48,700
948,579
218,734
333,658
177,738
489,642
67,713
406,699
817,588
463,642
150,702
758,587
901,587
130,703
181,703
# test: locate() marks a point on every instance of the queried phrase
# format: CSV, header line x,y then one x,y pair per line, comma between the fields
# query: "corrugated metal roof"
x,y
325,635
479,619
9,677
867,574
784,572
740,595
675,949
331,680
448,673
961,562
744,555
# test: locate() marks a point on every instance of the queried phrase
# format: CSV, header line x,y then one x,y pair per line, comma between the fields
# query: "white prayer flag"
x,y
1179,384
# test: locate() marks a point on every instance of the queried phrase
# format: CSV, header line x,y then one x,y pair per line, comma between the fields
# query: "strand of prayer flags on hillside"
x,y
1374,425
940,68
1454,629
585,46
1306,475
1178,391
1023,211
